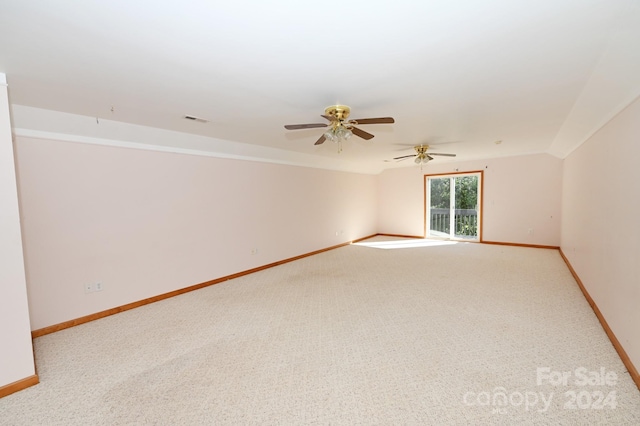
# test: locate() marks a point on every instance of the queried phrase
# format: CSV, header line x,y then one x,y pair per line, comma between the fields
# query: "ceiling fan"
x,y
421,156
341,128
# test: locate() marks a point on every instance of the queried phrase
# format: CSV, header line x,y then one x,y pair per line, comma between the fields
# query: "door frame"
x,y
453,174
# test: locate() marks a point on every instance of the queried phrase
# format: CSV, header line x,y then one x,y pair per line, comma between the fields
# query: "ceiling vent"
x,y
194,118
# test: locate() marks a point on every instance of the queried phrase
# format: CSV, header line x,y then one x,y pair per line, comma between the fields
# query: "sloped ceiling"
x,y
538,76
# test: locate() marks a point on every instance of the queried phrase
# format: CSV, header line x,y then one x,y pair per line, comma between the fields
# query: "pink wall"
x,y
145,223
600,230
520,193
16,355
401,202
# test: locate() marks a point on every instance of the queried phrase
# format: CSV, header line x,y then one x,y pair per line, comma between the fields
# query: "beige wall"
x,y
600,229
520,193
145,223
16,355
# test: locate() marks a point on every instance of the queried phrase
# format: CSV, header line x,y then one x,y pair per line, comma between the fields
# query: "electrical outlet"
x,y
254,251
93,287
530,231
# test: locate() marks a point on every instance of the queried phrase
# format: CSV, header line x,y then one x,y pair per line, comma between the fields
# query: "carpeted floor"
x,y
389,331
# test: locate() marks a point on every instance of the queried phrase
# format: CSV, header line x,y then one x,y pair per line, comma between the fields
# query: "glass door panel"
x,y
452,207
466,211
439,207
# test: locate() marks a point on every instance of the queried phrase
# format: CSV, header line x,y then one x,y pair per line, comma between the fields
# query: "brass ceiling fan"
x,y
421,156
341,128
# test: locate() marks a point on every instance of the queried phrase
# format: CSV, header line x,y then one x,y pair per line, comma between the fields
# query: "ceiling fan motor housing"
x,y
340,112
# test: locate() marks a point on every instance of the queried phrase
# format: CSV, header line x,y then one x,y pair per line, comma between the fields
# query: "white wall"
x,y
16,355
600,227
146,223
520,193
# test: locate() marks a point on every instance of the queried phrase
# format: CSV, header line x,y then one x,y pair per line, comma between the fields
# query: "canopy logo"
x,y
499,400
589,392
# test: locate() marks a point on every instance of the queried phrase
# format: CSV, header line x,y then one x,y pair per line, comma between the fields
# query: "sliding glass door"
x,y
453,206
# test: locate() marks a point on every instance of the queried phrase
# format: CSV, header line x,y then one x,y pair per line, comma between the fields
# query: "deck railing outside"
x,y
465,220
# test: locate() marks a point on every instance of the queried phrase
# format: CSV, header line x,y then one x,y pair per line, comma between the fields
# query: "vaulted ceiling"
x,y
538,76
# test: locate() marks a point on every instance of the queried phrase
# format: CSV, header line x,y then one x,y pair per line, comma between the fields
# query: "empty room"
x,y
341,213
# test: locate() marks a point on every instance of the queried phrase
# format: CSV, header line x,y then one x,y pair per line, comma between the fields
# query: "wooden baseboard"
x,y
33,380
633,372
19,385
401,236
481,241
362,239
72,323
519,245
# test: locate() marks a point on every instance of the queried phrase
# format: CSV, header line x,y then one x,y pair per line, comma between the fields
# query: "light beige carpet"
x,y
392,331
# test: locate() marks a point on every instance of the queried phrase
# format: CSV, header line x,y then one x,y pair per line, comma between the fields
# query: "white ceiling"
x,y
539,76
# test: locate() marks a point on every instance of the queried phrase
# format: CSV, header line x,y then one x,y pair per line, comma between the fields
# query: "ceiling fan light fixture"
x,y
421,157
330,135
338,134
343,133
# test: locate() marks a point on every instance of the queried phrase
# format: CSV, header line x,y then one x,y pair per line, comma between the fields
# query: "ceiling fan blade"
x,y
381,120
404,156
444,155
361,133
328,117
304,126
320,141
